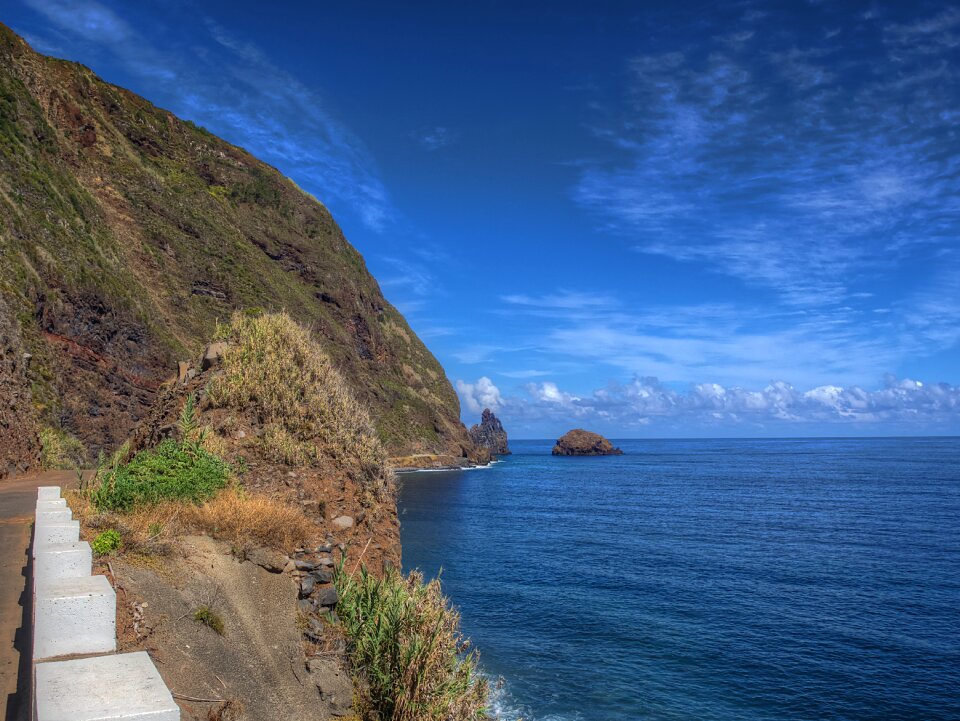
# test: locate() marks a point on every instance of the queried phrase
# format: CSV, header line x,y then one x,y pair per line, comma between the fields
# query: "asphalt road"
x,y
18,500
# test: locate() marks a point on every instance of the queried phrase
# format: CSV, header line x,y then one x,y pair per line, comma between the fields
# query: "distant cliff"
x,y
490,434
126,233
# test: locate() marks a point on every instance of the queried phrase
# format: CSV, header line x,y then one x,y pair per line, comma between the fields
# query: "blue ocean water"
x,y
705,579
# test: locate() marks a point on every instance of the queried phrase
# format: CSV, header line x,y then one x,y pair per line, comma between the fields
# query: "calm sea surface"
x,y
706,579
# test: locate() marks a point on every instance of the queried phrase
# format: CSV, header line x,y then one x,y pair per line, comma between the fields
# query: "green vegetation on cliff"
x,y
405,642
126,233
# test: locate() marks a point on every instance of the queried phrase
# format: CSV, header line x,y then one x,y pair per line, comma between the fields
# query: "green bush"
x,y
171,471
405,639
106,542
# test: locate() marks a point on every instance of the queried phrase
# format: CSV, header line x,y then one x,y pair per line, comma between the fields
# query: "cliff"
x,y
125,233
490,434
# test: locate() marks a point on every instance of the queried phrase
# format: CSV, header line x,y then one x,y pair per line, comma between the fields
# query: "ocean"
x,y
705,579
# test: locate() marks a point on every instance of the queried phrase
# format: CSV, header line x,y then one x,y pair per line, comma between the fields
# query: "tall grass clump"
x,y
405,643
274,369
60,450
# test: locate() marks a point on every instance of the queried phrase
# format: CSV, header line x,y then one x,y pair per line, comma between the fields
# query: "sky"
x,y
647,219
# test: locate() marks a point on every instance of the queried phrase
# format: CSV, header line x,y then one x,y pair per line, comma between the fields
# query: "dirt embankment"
x,y
261,668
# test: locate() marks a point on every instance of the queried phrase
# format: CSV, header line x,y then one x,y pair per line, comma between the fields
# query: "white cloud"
x,y
902,403
786,161
480,395
435,138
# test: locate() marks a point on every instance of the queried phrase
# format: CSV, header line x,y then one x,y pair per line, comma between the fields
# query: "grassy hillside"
x,y
126,233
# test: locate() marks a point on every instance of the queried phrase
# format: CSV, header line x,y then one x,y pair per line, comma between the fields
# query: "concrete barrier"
x,y
62,560
74,613
52,533
124,687
53,504
49,518
46,493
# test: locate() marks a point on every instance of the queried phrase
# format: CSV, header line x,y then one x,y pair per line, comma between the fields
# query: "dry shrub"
x,y
233,516
244,520
274,370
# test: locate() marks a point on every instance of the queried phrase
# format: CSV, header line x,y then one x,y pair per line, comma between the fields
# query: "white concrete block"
x,y
125,687
68,532
62,560
48,517
45,493
54,504
74,615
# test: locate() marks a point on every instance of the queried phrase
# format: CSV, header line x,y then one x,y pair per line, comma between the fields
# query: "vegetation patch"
x,y
405,643
174,470
274,370
210,618
231,516
60,450
244,520
106,542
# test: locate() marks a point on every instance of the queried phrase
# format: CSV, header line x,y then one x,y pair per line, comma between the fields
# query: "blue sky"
x,y
649,219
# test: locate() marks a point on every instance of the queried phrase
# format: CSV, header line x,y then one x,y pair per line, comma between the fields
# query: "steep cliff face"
x,y
125,233
489,434
19,443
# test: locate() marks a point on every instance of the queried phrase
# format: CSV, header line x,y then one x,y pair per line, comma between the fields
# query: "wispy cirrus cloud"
x,y
737,343
230,86
789,161
436,137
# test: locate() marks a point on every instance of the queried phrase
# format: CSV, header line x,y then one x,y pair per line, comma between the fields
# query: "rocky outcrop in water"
x,y
490,434
579,442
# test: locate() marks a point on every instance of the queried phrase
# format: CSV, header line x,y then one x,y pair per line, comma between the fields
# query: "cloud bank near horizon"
x,y
645,403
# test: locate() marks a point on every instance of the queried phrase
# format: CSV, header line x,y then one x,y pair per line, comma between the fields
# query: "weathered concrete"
x,y
62,560
54,504
74,616
43,536
45,493
125,687
49,518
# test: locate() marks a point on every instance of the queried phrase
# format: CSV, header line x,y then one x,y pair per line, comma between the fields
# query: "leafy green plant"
x,y
210,618
405,639
106,542
171,471
187,422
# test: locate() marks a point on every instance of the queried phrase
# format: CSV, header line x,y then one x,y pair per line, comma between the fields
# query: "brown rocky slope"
x,y
579,442
125,233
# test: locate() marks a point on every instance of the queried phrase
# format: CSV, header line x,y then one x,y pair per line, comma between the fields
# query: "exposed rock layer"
x,y
579,442
125,233
490,434
19,444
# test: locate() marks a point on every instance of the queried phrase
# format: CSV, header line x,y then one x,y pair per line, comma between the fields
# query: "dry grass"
x,y
232,515
243,520
277,373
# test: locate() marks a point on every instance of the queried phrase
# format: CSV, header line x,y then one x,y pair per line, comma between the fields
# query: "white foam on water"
x,y
504,707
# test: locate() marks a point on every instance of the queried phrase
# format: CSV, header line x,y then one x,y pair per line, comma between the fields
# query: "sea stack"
x,y
579,442
490,434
